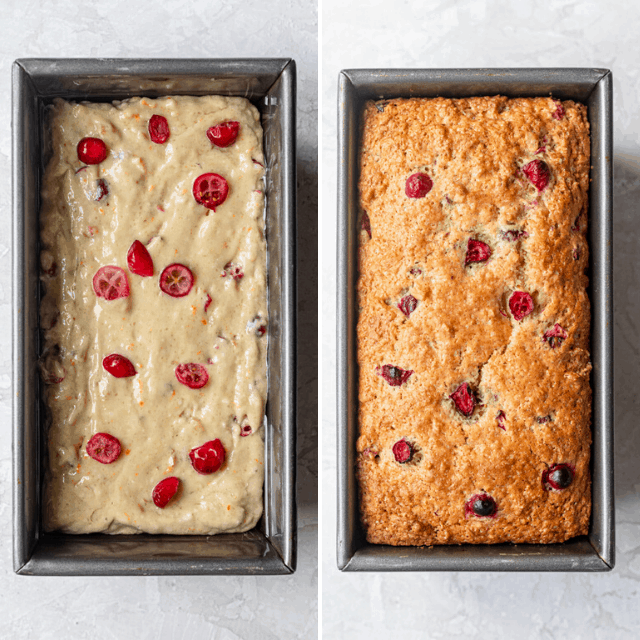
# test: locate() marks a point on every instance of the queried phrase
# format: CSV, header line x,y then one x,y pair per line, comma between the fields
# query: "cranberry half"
x,y
210,190
104,448
520,304
477,251
159,131
538,173
101,190
139,260
512,235
164,491
176,280
558,114
224,134
481,506
91,150
395,376
192,375
408,305
402,451
233,270
207,458
464,399
118,366
111,283
558,476
555,336
418,185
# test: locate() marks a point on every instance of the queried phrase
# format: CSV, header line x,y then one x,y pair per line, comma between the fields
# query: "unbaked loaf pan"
x,y
270,548
593,87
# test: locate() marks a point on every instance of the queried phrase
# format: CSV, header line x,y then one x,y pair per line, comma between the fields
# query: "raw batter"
x,y
92,215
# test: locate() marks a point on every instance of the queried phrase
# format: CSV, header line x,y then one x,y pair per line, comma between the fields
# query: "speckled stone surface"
x,y
493,34
220,608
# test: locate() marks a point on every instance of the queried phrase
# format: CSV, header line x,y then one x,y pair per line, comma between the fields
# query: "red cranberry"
x,y
501,418
558,476
139,260
402,451
207,302
395,376
192,375
118,366
176,280
543,419
415,271
520,304
101,190
261,330
408,305
538,173
464,399
558,114
111,283
366,223
164,491
477,251
481,506
210,190
233,270
245,431
418,185
512,235
207,458
91,150
104,448
555,336
223,134
159,131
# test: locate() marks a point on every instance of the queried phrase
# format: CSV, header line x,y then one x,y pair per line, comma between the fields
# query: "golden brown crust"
x,y
462,329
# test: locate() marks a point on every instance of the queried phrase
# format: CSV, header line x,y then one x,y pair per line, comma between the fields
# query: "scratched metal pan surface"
x,y
593,87
270,548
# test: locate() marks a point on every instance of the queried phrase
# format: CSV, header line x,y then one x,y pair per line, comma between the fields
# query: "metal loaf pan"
x,y
593,87
270,548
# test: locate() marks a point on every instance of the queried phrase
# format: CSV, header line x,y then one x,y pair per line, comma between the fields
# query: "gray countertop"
x,y
224,608
489,33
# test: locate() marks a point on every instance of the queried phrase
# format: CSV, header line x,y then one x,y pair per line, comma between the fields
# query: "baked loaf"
x,y
155,316
473,329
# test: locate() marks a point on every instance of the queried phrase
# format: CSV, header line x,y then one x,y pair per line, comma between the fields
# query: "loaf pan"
x,y
592,87
270,548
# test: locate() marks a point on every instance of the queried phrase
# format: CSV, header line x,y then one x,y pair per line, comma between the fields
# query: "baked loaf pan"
x,y
270,548
593,87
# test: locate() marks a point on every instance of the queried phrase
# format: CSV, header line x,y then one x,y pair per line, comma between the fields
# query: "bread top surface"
x,y
532,393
